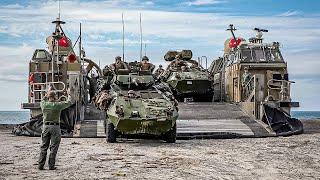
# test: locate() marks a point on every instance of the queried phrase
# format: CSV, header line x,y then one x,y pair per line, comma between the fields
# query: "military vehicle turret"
x,y
137,107
254,75
186,77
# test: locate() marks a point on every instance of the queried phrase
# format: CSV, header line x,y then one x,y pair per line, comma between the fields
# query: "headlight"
x,y
135,114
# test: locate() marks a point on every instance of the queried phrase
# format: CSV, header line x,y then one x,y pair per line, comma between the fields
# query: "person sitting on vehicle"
x,y
159,71
194,64
178,62
119,64
132,94
145,65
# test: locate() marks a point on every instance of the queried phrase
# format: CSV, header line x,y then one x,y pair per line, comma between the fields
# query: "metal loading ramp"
x,y
217,120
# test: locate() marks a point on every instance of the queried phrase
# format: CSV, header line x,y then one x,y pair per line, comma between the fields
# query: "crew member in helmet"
x,y
119,64
159,71
178,62
132,94
145,65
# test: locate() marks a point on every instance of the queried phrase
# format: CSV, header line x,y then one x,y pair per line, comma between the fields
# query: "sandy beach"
x,y
295,157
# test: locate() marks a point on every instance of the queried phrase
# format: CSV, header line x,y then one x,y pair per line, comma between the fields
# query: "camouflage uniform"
x,y
119,64
159,71
51,130
145,65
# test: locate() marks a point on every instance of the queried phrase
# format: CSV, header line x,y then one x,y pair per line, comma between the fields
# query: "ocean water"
x,y
17,117
14,117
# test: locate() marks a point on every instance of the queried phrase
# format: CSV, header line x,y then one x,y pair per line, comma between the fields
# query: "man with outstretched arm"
x,y
51,133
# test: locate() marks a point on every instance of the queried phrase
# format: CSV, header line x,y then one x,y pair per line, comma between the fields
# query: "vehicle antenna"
x,y
123,38
140,38
232,29
80,44
59,9
145,49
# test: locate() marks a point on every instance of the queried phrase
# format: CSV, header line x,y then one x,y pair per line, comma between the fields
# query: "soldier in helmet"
x,y
131,94
145,65
178,62
119,64
159,71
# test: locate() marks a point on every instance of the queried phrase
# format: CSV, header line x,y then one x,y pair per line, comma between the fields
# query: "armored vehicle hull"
x,y
200,89
149,117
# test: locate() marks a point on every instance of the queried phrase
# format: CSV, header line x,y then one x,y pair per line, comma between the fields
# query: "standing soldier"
x,y
51,109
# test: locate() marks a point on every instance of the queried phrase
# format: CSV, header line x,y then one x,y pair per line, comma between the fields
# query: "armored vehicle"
x,y
186,77
254,75
137,107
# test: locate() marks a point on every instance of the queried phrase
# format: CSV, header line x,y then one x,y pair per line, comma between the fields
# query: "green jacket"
x,y
51,110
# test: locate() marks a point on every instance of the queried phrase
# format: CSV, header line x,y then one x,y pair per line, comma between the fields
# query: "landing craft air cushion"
x,y
254,75
59,69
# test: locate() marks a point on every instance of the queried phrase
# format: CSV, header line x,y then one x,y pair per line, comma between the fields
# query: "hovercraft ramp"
x,y
217,120
197,120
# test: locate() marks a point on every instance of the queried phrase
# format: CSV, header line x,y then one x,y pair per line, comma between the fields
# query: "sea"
x,y
18,117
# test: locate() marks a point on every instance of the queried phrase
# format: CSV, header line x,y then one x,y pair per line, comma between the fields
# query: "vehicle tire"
x,y
171,135
111,134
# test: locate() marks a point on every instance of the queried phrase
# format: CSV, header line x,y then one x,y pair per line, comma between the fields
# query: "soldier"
x,y
145,65
194,64
119,64
245,77
246,86
178,62
159,71
131,94
51,110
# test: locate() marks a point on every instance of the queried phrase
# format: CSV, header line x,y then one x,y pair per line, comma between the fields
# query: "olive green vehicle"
x,y
137,107
186,77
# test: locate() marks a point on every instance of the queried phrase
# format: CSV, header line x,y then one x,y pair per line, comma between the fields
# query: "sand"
x,y
294,157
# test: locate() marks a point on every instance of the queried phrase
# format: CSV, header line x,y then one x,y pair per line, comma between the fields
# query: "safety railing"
x,y
41,88
283,87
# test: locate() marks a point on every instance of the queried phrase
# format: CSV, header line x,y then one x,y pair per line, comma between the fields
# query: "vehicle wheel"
x,y
171,135
111,134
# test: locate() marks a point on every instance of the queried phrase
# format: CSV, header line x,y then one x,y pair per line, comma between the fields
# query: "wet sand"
x,y
294,157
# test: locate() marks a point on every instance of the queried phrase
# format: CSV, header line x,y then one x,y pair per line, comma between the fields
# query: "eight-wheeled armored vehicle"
x,y
138,107
186,77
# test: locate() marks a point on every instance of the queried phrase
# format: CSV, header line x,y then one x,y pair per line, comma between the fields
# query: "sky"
x,y
199,25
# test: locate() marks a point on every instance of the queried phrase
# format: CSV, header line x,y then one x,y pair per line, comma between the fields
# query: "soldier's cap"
x,y
145,58
51,94
118,58
246,68
160,65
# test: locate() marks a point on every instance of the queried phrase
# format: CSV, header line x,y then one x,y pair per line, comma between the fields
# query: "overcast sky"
x,y
198,25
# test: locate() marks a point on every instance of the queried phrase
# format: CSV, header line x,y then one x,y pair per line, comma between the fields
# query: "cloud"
x,y
204,2
290,13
